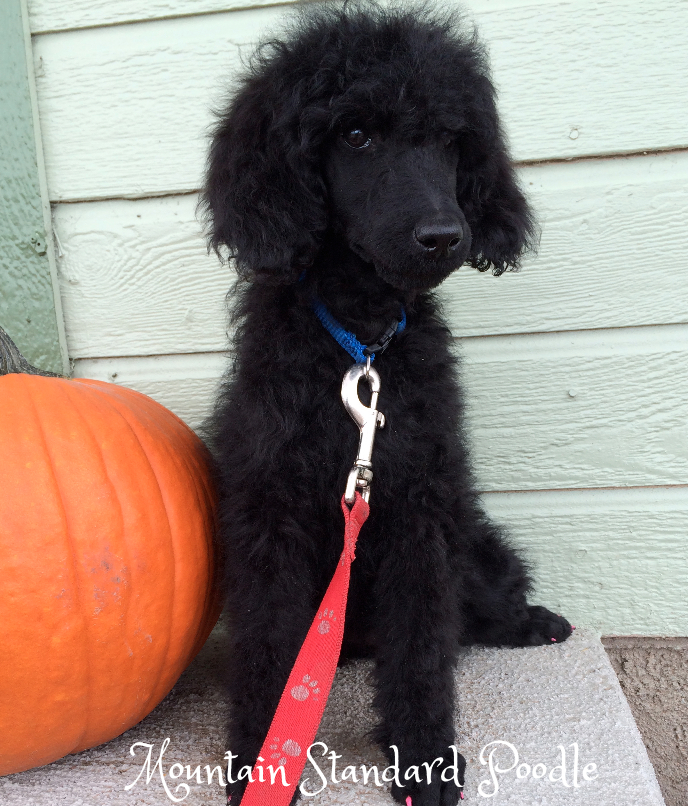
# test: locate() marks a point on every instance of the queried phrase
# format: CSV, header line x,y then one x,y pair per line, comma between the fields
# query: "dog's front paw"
x,y
415,789
544,627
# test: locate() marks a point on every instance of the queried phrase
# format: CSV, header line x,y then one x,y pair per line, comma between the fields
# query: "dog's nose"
x,y
439,240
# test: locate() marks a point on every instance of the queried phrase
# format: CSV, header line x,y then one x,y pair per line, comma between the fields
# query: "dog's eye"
x,y
356,138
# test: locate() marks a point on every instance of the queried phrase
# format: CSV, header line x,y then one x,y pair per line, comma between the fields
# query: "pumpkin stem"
x,y
11,360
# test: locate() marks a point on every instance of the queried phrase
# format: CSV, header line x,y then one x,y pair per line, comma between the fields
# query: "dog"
x,y
359,163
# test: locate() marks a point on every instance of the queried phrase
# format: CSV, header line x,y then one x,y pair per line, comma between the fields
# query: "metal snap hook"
x,y
368,419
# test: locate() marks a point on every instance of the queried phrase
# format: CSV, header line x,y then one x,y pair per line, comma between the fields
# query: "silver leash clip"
x,y
368,419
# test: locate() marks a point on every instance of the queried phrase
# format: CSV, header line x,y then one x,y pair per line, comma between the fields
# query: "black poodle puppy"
x,y
360,162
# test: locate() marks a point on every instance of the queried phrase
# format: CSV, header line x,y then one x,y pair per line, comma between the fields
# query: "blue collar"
x,y
359,352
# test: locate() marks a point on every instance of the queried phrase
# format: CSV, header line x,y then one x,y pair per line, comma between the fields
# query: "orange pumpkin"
x,y
106,562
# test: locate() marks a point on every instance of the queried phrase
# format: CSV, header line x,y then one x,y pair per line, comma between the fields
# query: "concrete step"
x,y
529,709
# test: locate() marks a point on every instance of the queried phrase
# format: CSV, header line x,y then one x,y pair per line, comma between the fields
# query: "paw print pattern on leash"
x,y
302,693
324,626
275,746
289,748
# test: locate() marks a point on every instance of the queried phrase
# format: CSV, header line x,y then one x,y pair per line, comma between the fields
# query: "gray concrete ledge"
x,y
536,700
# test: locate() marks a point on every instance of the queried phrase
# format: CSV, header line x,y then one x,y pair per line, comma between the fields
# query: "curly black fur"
x,y
362,152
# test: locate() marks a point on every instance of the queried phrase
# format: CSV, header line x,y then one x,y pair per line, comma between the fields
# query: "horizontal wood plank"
x,y
599,408
185,384
136,278
576,410
64,15
613,560
125,109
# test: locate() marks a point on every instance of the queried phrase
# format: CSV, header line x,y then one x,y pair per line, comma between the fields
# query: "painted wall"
x,y
29,295
577,367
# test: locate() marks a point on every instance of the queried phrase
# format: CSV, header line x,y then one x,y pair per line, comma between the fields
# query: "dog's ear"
x,y
264,199
502,226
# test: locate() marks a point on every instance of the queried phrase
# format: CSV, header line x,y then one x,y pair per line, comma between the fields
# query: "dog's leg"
x,y
415,615
496,584
268,625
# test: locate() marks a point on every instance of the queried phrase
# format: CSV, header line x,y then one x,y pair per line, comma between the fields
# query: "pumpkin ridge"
x,y
76,401
80,598
190,461
203,491
211,593
117,406
192,465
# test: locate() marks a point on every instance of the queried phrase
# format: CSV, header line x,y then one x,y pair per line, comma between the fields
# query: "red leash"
x,y
282,757
303,700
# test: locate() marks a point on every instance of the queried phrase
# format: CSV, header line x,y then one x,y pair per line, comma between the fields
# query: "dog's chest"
x,y
420,426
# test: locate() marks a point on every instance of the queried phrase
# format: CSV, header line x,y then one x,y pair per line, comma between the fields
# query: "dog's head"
x,y
379,125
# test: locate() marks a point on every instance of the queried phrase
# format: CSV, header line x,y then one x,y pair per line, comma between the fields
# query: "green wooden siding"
x,y
30,308
576,368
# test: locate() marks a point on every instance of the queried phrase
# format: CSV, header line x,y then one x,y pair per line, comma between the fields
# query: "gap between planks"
x,y
619,155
